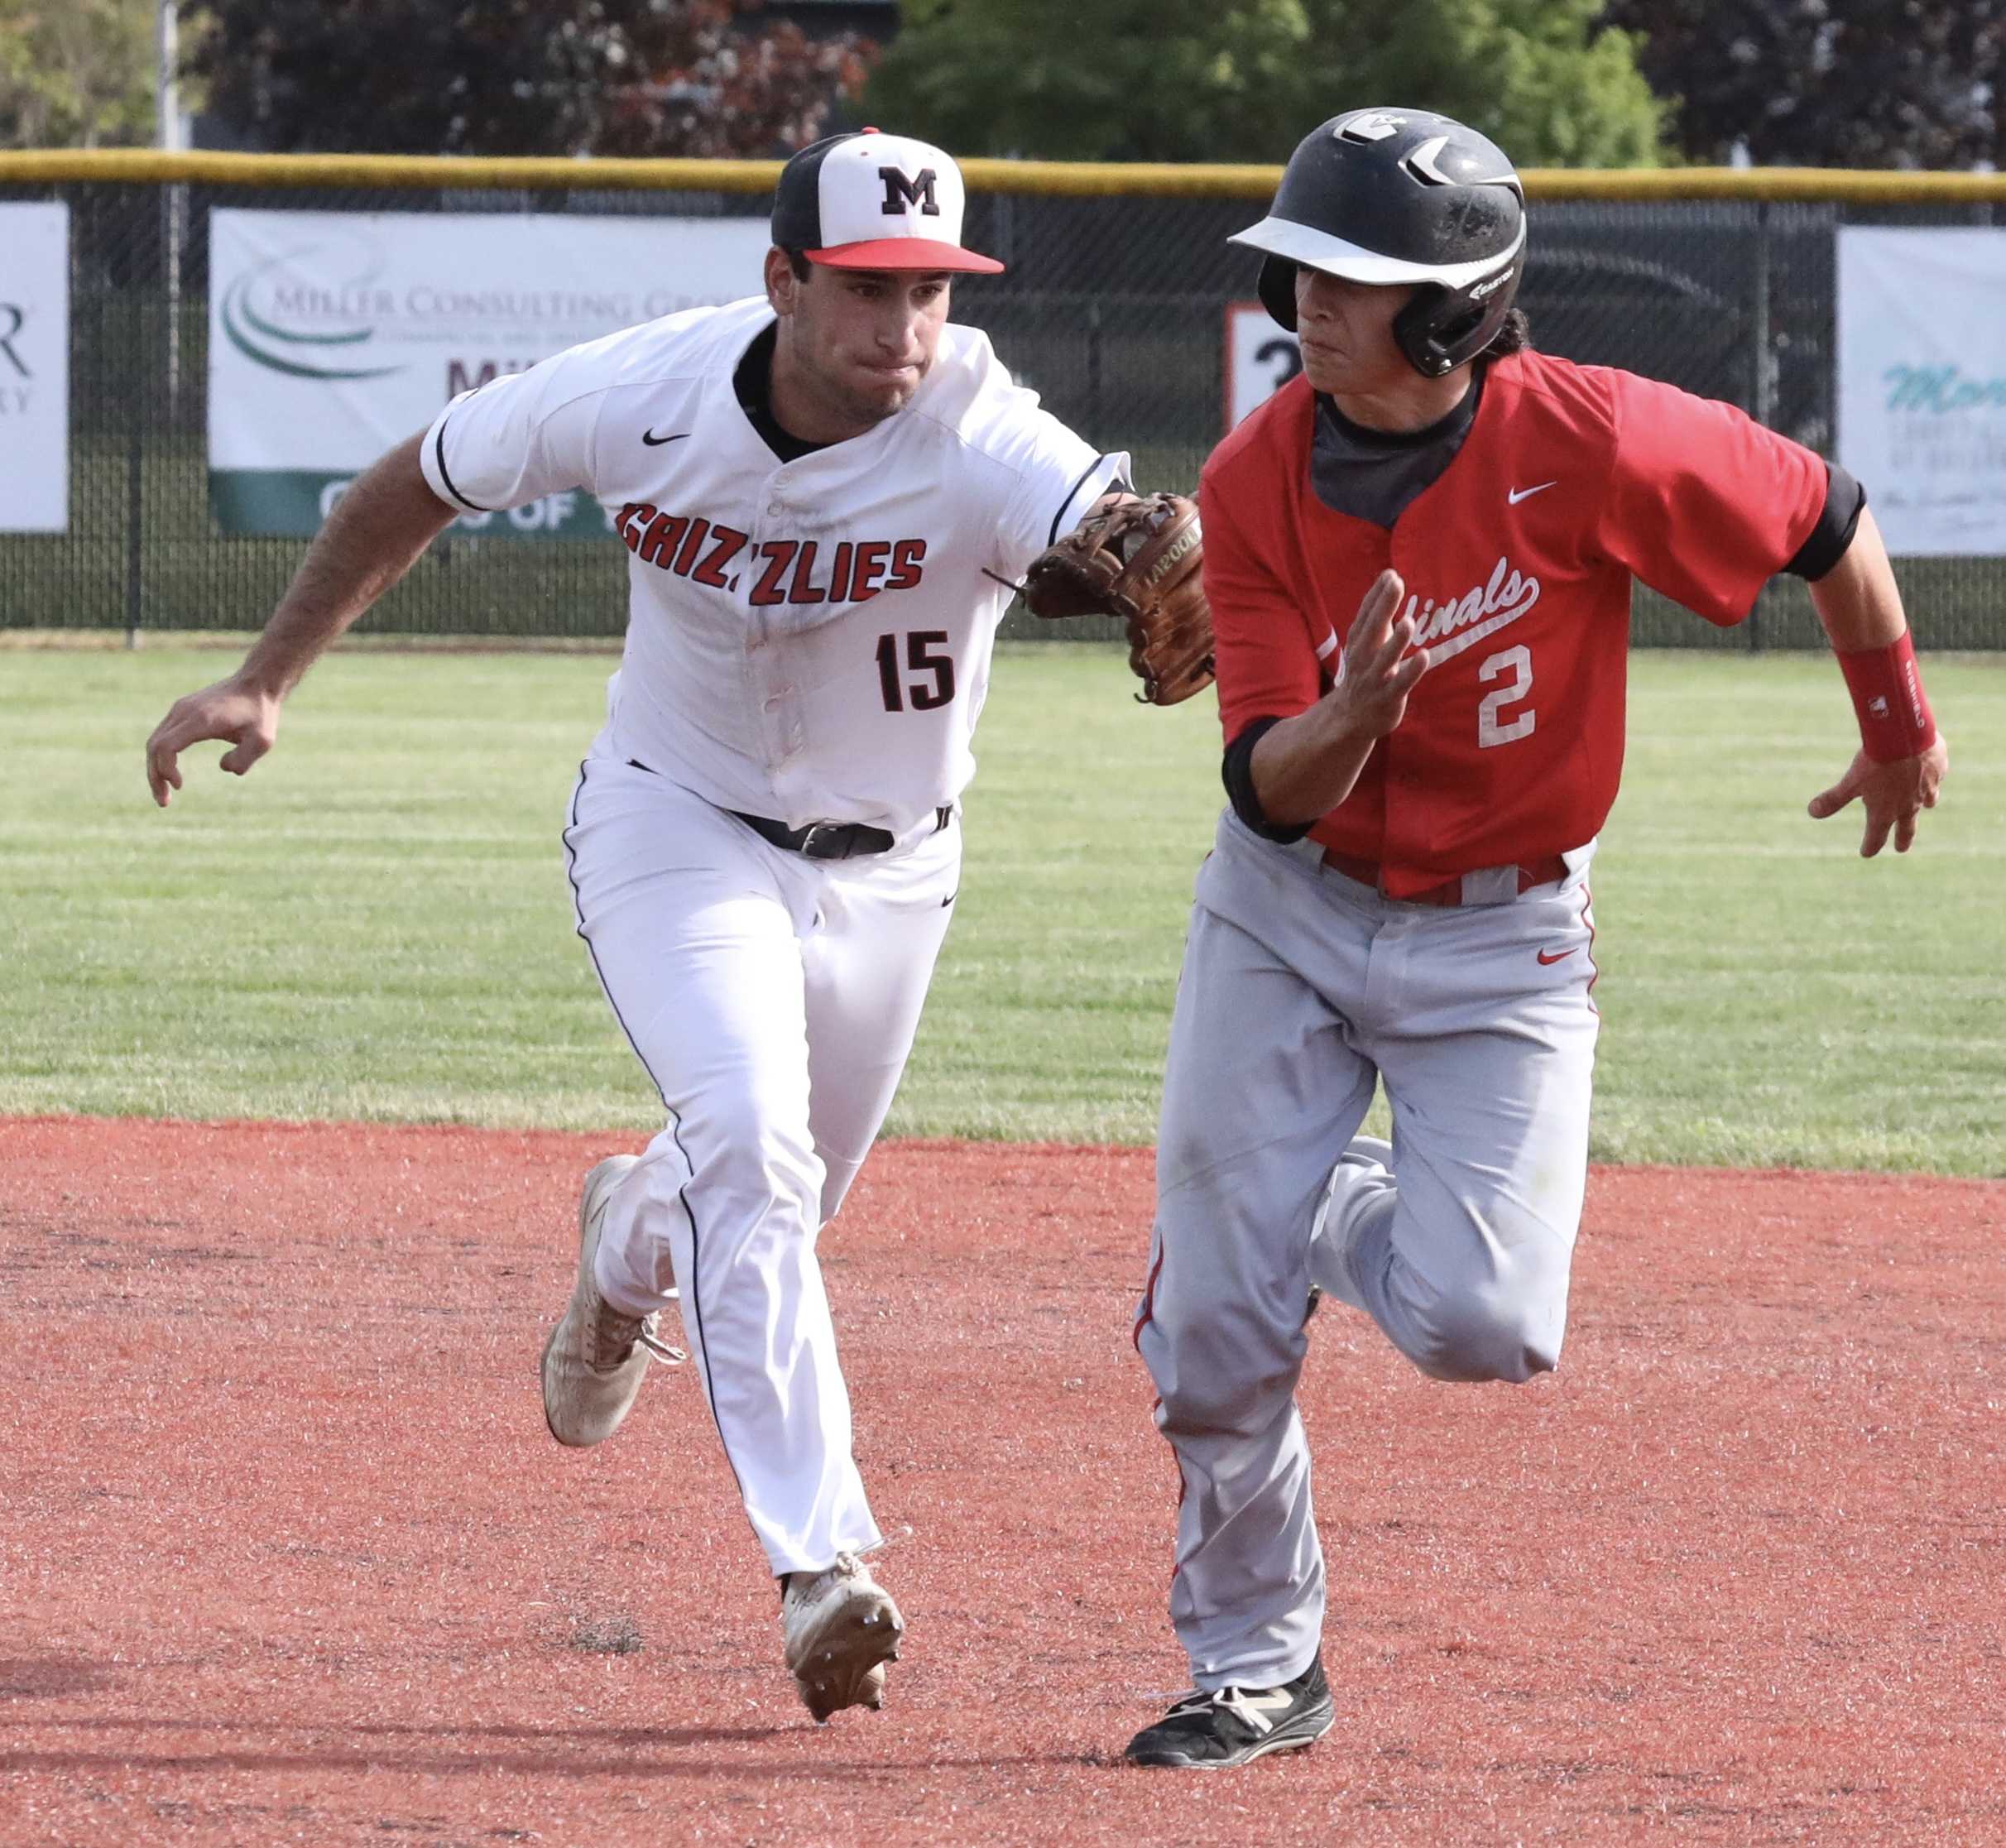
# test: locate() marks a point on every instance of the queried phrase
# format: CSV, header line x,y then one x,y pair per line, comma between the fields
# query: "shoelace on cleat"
x,y
619,1333
1238,1702
674,1356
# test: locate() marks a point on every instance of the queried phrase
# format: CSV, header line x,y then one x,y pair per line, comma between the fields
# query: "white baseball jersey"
x,y
809,641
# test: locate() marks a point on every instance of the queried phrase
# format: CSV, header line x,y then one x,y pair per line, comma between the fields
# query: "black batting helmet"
x,y
1401,195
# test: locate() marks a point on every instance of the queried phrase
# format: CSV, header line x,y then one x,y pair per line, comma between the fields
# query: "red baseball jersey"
x,y
1518,561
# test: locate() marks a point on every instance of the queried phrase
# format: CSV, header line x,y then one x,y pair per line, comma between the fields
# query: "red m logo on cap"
x,y
901,192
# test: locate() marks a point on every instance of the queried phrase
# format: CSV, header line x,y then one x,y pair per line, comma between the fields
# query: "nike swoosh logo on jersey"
x,y
1558,956
1518,494
654,442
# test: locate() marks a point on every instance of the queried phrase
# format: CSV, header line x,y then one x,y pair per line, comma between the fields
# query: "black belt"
x,y
821,840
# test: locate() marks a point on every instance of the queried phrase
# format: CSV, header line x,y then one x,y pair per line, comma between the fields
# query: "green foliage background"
x,y
1190,80
76,73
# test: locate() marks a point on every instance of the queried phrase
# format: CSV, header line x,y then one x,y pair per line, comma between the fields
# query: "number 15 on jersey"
x,y
922,655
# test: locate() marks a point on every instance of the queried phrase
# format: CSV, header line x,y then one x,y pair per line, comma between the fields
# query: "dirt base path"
x,y
288,1557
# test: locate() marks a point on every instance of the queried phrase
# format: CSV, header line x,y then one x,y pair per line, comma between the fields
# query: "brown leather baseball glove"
x,y
1137,560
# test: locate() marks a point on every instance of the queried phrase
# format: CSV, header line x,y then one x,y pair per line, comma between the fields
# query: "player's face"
x,y
860,341
1346,331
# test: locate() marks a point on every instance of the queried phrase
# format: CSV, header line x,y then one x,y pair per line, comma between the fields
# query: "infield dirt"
x,y
289,1556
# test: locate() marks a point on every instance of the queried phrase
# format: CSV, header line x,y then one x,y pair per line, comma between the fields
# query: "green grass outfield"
x,y
376,923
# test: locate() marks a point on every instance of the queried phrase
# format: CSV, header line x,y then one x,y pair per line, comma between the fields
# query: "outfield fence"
x,y
1114,307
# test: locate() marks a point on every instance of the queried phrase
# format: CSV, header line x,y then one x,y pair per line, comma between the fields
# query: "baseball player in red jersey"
x,y
1419,556
826,492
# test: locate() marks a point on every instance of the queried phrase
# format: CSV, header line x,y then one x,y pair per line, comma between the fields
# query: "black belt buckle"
x,y
828,840
821,840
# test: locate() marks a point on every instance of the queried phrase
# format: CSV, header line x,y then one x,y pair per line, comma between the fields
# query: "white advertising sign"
x,y
1922,394
34,368
335,335
1260,359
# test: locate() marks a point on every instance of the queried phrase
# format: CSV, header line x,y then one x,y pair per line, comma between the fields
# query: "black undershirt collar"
x,y
753,384
1374,474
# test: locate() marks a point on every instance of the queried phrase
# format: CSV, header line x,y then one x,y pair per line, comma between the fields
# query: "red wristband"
x,y
1887,688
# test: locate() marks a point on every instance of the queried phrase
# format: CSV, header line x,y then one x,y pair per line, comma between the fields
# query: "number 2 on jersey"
x,y
1517,663
925,653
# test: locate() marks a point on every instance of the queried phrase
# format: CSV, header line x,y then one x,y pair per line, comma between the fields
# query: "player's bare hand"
x,y
244,718
1378,672
1894,795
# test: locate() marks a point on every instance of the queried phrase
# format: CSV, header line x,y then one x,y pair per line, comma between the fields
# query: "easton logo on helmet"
x,y
901,192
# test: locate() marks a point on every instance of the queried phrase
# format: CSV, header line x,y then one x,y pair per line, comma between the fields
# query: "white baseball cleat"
x,y
593,1362
842,1629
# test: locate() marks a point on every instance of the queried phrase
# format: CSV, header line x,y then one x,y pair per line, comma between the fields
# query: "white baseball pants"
x,y
1300,989
773,1000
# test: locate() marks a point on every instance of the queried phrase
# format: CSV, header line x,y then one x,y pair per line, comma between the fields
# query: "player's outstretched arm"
x,y
1896,773
374,535
1306,765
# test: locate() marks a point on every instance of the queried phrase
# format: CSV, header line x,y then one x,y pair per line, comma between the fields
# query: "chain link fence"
x,y
1113,308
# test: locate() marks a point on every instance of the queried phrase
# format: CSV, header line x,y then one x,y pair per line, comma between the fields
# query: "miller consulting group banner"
x,y
334,336
34,368
1921,399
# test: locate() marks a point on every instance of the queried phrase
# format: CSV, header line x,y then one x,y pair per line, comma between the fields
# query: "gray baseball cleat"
x,y
842,1629
593,1362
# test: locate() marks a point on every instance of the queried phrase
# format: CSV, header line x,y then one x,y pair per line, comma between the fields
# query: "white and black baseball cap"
x,y
871,201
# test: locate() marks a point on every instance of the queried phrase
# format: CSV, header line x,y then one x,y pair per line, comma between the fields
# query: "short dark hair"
x,y
797,261
1514,336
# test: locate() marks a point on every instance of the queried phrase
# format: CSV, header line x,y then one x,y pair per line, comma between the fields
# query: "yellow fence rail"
x,y
1060,178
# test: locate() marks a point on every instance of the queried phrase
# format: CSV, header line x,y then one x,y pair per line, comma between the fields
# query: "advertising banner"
x,y
335,335
34,368
1921,388
1260,359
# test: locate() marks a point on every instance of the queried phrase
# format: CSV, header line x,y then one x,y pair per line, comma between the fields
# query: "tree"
x,y
76,73
1809,83
1125,80
516,77
1196,80
1547,82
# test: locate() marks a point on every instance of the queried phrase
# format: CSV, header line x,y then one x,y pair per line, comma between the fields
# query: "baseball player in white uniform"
x,y
827,493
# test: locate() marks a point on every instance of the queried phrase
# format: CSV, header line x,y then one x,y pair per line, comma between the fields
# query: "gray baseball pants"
x,y
1300,989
